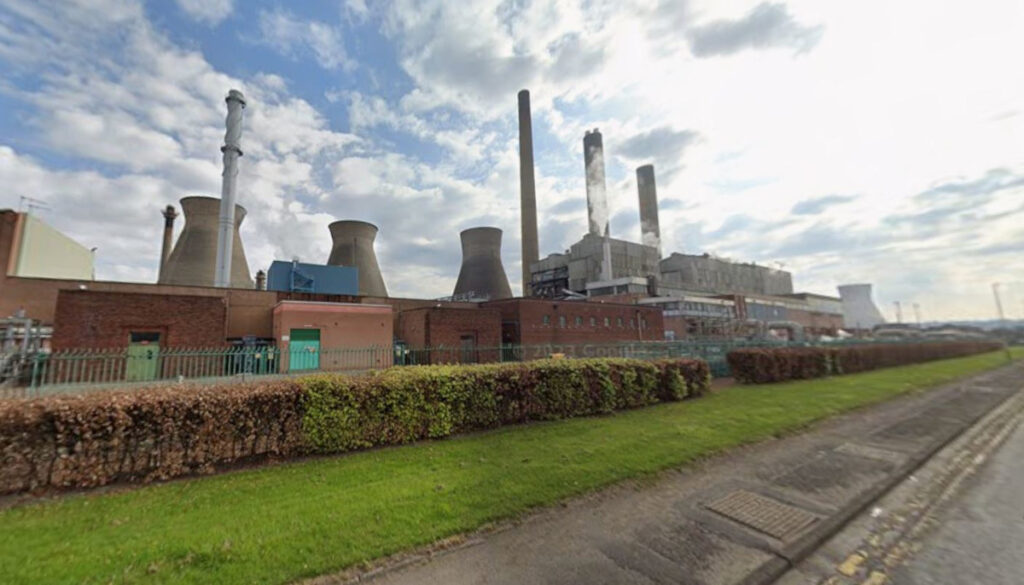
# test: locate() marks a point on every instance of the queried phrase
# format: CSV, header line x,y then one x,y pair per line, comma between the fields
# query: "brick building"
x,y
112,320
562,322
458,334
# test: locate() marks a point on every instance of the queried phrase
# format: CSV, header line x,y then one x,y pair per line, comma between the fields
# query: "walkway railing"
x,y
75,370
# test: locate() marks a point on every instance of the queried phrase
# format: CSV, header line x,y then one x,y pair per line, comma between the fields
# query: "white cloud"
x,y
292,36
210,12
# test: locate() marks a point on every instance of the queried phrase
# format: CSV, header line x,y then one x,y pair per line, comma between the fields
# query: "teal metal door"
x,y
304,349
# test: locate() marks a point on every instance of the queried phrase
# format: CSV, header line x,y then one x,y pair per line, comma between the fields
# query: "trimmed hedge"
x,y
159,433
766,365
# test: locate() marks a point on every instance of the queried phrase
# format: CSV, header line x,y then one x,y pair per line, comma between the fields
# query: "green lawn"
x,y
285,522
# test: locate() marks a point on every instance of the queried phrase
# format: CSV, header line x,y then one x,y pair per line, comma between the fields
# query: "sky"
x,y
870,141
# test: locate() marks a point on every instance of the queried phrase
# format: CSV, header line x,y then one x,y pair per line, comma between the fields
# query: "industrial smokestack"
x,y
226,223
597,195
527,191
261,280
194,258
353,246
650,233
165,250
482,273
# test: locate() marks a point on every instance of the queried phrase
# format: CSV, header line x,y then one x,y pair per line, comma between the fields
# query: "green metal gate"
x,y
304,349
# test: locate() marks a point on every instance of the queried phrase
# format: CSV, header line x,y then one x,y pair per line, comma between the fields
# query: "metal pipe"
x,y
232,151
527,192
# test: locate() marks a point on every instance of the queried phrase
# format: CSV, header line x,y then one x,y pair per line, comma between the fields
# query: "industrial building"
x,y
602,290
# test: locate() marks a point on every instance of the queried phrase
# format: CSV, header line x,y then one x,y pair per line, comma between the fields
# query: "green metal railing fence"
x,y
75,370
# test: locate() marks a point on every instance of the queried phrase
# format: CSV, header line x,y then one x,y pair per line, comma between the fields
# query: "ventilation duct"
x,y
482,275
194,258
353,246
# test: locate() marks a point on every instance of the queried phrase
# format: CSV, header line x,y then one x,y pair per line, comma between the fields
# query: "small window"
x,y
579,321
561,321
607,322
619,322
547,319
632,323
593,321
144,336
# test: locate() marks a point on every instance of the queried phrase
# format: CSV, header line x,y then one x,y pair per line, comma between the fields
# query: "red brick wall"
x,y
638,323
104,319
444,326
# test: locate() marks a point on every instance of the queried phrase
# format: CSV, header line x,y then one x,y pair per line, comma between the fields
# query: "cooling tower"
x,y
482,273
597,195
353,246
527,192
859,310
650,232
194,259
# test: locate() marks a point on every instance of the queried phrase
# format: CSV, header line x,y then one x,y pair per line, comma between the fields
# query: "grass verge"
x,y
285,522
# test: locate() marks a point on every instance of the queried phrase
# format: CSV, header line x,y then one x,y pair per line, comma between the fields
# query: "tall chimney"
x,y
226,223
527,192
165,251
597,196
650,232
481,272
353,246
261,280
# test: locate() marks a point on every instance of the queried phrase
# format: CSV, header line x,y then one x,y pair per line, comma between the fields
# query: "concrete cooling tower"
x,y
194,258
482,273
859,310
353,246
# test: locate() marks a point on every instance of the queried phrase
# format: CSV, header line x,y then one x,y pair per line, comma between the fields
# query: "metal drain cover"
x,y
763,514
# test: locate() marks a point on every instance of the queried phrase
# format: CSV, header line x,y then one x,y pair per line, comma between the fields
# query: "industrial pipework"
x,y
232,152
527,192
353,246
482,273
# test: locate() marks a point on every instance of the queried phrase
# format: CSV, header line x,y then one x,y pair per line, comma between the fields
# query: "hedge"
x,y
163,432
766,365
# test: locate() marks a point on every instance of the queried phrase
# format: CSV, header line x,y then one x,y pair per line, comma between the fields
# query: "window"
x,y
561,321
547,319
619,322
579,321
607,322
632,323
593,321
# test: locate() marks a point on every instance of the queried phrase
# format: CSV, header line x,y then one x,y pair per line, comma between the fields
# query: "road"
x,y
979,537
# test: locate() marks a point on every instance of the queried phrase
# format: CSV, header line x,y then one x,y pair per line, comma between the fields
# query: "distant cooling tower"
x,y
859,310
194,259
353,246
482,272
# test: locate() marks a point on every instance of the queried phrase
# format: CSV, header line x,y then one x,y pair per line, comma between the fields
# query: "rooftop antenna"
x,y
32,203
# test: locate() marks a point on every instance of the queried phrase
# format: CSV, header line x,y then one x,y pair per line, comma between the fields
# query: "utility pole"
x,y
1002,317
999,302
899,312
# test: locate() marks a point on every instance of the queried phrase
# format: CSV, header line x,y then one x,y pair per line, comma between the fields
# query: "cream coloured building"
x,y
41,251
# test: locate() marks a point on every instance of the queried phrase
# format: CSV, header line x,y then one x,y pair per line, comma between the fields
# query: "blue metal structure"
x,y
312,278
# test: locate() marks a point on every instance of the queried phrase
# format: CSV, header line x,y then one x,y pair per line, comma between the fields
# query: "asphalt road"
x,y
979,538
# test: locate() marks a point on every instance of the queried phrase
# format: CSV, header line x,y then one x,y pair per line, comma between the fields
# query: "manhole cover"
x,y
763,514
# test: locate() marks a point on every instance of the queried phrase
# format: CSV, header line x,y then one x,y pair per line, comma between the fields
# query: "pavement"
x,y
748,517
957,519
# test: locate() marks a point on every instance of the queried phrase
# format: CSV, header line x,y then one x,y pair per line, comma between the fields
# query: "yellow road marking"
x,y
851,564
